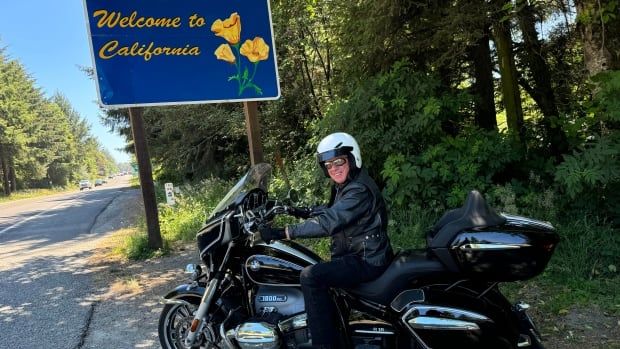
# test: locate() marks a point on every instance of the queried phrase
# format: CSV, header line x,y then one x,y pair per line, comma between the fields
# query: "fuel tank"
x,y
279,263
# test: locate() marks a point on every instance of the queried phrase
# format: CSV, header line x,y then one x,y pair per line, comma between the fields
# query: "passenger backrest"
x,y
474,213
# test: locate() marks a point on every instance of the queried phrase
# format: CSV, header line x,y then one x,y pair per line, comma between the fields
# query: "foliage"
x,y
135,247
44,143
592,173
407,79
447,171
305,177
583,269
193,205
399,112
588,250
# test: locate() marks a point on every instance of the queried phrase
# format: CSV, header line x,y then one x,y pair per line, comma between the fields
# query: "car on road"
x,y
98,182
85,184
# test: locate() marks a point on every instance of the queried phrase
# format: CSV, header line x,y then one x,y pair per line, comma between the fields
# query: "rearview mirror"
x,y
292,196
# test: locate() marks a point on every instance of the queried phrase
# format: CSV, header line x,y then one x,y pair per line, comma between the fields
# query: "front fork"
x,y
207,299
198,323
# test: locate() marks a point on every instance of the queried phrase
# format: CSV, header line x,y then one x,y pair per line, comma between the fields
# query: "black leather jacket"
x,y
356,221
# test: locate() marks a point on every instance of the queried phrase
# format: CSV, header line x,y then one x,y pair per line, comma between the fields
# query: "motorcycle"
x,y
248,293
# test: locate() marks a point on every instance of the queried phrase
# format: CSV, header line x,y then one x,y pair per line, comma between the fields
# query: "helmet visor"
x,y
333,153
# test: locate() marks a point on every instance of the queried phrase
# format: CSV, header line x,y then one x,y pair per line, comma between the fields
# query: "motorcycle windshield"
x,y
258,176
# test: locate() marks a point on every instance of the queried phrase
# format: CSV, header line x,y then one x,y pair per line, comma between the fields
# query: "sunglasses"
x,y
336,163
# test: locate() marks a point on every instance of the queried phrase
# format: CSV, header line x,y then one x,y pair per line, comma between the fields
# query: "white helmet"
x,y
338,144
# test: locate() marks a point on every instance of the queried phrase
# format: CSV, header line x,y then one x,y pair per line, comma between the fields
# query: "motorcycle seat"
x,y
406,267
475,213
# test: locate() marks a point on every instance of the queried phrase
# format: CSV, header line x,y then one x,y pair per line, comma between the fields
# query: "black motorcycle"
x,y
444,296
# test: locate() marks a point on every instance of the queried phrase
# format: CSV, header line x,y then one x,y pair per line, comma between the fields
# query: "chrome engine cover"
x,y
255,335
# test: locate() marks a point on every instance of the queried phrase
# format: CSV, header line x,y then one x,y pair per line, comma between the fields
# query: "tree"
x,y
598,22
41,140
480,56
18,96
541,90
508,71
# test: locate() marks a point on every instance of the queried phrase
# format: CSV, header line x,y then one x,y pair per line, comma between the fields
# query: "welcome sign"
x,y
161,52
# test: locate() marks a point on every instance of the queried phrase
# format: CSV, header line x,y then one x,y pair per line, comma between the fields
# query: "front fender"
x,y
184,293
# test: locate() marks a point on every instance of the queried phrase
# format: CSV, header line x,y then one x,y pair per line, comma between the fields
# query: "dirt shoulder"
x,y
128,294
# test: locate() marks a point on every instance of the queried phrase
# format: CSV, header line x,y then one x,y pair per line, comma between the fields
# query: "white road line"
x,y
29,218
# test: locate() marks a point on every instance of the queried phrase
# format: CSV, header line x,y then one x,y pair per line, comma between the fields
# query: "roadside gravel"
x,y
128,293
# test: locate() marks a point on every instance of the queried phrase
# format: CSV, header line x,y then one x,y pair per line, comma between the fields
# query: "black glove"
x,y
306,212
317,210
268,233
300,212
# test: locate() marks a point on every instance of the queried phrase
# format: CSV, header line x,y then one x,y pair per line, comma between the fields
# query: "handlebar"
x,y
257,218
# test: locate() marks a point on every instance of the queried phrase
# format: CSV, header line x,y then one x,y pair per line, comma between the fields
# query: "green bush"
x,y
441,175
397,112
193,205
305,176
590,176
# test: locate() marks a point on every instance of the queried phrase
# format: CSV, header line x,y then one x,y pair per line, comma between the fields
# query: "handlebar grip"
x,y
300,212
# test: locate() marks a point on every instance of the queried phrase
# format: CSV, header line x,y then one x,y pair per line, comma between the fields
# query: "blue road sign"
x,y
162,52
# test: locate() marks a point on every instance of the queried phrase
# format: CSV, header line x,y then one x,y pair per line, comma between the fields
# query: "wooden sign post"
x,y
145,172
250,109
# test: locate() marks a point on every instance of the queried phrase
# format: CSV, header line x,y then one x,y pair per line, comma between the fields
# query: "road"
x,y
46,289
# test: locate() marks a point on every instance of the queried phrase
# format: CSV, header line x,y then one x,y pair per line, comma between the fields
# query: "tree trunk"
x,y
12,175
480,55
5,172
599,28
508,72
563,88
542,91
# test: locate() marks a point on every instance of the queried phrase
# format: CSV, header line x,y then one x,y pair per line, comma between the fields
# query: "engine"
x,y
281,322
282,300
274,307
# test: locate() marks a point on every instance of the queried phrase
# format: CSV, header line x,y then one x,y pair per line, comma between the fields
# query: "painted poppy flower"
x,y
224,52
256,50
229,29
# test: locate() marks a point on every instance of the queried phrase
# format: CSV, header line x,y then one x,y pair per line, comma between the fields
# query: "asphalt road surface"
x,y
46,289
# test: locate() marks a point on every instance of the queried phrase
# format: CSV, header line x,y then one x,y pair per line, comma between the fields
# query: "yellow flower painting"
x,y
255,50
224,53
229,29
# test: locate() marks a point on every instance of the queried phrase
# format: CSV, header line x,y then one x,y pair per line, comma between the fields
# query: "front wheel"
x,y
174,323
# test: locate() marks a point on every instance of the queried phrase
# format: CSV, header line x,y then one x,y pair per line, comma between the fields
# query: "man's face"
x,y
338,169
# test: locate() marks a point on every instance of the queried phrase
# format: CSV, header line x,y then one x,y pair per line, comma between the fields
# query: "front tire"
x,y
174,322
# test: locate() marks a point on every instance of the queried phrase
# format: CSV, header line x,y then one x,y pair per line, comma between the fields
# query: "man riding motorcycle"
x,y
356,220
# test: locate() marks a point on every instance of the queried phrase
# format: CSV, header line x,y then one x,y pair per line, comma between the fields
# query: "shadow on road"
x,y
70,221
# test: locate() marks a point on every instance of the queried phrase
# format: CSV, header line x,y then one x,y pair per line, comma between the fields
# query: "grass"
x,y
178,223
33,193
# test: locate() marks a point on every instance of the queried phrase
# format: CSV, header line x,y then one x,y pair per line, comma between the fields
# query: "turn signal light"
x,y
195,324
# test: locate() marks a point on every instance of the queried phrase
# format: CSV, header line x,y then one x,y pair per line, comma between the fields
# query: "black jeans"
x,y
316,280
